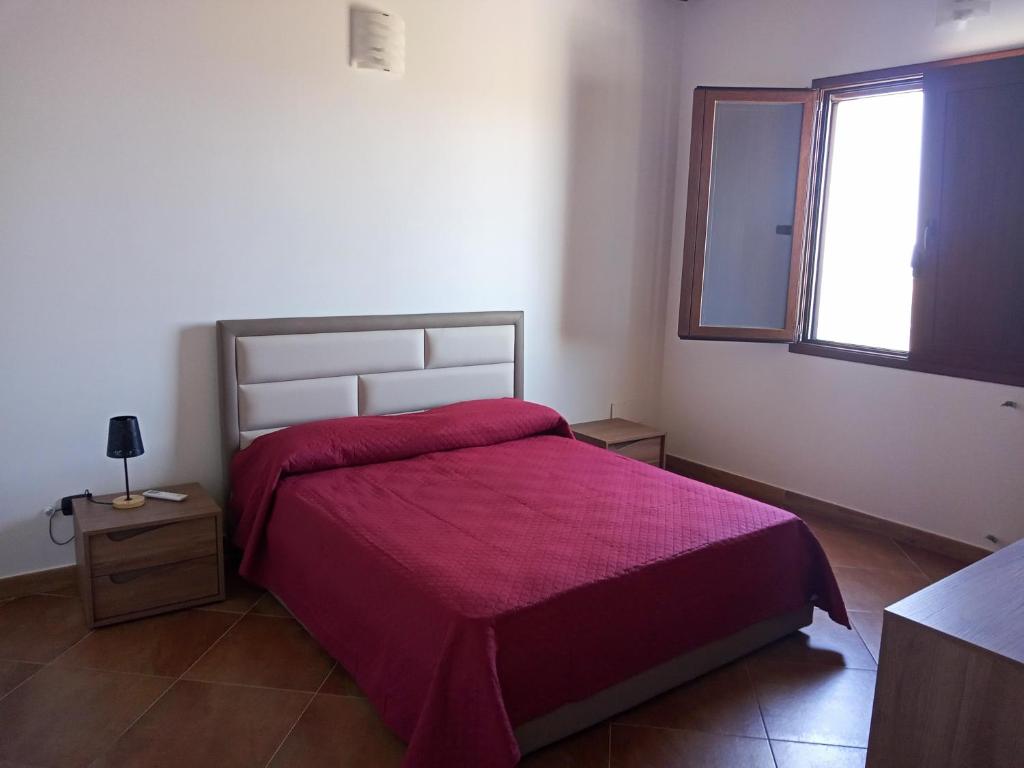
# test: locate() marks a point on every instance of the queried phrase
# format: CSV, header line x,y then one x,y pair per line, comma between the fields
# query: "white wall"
x,y
166,164
933,452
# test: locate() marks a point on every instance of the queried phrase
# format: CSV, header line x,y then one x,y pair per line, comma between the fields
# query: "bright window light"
x,y
869,227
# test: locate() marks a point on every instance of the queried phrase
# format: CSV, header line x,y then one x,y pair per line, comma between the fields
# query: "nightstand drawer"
x,y
145,589
133,548
647,451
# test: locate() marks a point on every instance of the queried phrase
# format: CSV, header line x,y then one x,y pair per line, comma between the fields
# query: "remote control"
x,y
165,495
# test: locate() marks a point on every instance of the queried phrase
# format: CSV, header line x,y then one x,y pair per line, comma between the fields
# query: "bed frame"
x,y
278,372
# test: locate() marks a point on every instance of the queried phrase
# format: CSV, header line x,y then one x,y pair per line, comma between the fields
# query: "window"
x,y
750,170
870,180
876,218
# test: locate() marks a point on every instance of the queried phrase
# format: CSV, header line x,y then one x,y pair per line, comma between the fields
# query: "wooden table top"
x,y
91,517
614,431
982,605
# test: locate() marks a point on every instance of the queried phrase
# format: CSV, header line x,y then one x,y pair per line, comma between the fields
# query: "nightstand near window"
x,y
637,441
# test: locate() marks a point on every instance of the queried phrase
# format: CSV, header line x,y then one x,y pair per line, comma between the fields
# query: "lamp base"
x,y
132,502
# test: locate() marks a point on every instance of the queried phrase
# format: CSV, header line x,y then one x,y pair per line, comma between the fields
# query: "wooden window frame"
x,y
805,265
882,80
698,199
824,139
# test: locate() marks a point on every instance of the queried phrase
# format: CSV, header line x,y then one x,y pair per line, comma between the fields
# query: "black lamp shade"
x,y
124,441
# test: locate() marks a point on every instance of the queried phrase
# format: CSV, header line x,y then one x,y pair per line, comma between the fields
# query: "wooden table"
x,y
950,691
159,557
637,441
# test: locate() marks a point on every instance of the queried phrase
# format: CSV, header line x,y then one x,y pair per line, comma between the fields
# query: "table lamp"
x,y
124,441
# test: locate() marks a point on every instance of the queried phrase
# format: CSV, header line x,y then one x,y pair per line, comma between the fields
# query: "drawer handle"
x,y
126,576
631,443
131,533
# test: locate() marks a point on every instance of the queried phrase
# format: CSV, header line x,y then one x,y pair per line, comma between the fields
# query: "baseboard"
x,y
811,508
50,580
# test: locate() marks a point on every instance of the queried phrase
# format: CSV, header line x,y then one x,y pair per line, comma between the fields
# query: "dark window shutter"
x,y
969,271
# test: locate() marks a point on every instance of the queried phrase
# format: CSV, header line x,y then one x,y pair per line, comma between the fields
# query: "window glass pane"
x,y
755,154
869,229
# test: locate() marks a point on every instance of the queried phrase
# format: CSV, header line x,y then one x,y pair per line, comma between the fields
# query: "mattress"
x,y
474,567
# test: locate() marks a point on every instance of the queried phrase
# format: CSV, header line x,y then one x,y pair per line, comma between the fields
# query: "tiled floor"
x,y
241,684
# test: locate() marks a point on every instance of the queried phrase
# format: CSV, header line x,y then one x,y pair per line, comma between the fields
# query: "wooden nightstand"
x,y
160,557
637,441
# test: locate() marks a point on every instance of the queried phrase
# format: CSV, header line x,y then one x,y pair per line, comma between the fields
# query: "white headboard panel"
x,y
278,372
293,356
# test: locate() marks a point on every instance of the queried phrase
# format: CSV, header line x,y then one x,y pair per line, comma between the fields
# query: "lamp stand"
x,y
128,501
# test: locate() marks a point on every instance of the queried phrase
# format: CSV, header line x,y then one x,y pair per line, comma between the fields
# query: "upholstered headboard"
x,y
278,372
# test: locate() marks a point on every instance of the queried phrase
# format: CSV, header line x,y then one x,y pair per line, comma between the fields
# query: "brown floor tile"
x,y
814,703
340,683
589,749
161,645
859,549
869,626
934,565
266,651
13,673
871,590
791,754
721,701
240,594
40,627
813,686
637,747
205,724
67,717
268,605
342,732
823,642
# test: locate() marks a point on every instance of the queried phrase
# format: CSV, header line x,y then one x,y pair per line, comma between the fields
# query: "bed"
x,y
492,584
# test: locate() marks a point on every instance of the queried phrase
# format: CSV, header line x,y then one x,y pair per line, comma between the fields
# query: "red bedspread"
x,y
473,568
